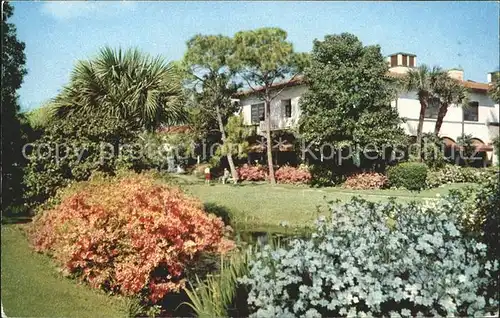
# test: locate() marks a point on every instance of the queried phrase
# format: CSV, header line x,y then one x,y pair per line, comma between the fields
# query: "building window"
x,y
257,113
412,61
286,104
471,112
394,60
405,60
432,109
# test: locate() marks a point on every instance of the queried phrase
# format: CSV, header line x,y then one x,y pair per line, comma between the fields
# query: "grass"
x,y
32,286
262,207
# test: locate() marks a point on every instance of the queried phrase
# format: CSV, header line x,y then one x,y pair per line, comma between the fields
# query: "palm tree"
x,y
126,84
449,91
422,80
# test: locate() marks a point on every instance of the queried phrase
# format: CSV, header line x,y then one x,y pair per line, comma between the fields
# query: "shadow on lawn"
x,y
16,215
220,211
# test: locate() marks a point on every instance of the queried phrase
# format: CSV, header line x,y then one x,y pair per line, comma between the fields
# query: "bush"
x,y
252,173
480,216
71,150
365,181
376,259
288,174
128,235
457,174
409,175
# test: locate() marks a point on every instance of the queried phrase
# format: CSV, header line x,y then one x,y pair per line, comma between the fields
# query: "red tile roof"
x,y
299,80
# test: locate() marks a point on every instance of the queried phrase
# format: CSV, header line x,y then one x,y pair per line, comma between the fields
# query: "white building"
x,y
480,119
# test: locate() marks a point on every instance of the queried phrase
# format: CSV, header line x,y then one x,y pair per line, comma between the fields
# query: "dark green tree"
x,y
494,90
13,71
129,85
422,80
349,99
211,79
264,57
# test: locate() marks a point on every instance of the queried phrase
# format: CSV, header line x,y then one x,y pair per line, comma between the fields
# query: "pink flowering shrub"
x,y
128,235
365,181
288,174
252,173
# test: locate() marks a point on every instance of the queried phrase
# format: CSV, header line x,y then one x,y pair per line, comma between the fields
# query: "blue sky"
x,y
58,33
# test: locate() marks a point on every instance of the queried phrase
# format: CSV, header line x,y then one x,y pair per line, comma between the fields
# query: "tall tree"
x,y
13,71
264,57
127,84
423,81
449,91
349,97
494,90
207,63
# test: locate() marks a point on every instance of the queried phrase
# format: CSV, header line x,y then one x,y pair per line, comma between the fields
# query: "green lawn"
x,y
32,287
264,207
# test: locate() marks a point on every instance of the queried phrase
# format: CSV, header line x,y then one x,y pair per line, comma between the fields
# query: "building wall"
x,y
408,108
278,120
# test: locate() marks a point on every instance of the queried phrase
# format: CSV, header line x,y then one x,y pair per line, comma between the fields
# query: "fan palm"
x,y
449,91
422,80
126,84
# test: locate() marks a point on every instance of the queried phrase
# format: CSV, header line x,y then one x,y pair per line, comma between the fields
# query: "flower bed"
x,y
365,181
128,235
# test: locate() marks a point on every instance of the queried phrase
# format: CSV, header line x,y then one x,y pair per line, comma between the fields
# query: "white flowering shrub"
x,y
375,259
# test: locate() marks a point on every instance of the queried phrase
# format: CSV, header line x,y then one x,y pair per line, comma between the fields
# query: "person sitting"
x,y
225,176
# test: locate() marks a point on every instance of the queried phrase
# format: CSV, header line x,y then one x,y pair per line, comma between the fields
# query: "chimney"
x,y
492,76
456,73
401,62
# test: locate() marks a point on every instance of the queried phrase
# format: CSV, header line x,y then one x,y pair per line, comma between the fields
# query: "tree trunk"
x,y
229,156
443,109
420,126
267,119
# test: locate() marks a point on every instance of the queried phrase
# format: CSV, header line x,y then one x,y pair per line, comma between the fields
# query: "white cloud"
x,y
65,10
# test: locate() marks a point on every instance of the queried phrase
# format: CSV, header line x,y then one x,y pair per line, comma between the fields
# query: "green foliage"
x,y
130,85
456,174
349,97
433,151
263,57
409,175
40,117
214,296
494,90
376,259
422,80
479,210
13,71
449,91
496,146
264,54
236,142
71,150
468,148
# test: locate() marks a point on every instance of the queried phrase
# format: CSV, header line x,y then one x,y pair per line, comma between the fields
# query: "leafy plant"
x,y
129,85
365,181
293,175
409,175
252,173
214,296
376,259
128,235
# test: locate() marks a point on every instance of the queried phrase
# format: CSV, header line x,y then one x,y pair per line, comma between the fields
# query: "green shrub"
x,y
432,151
375,259
80,142
457,174
409,175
